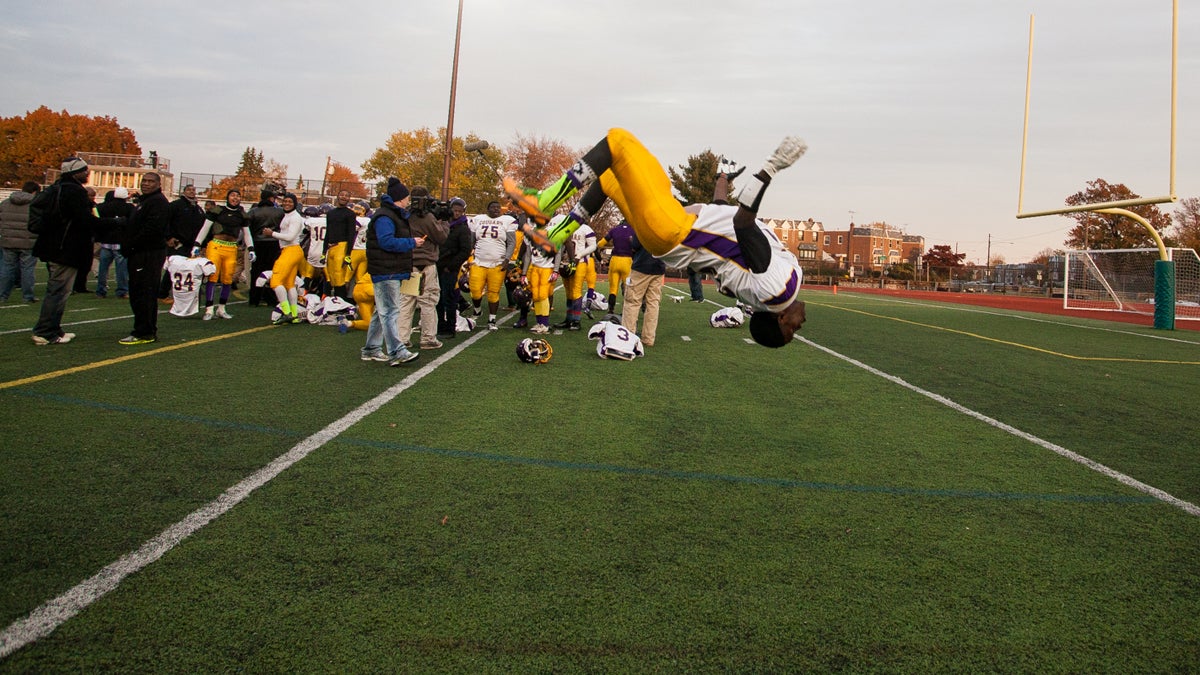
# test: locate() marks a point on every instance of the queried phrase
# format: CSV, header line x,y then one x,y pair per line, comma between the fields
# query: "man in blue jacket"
x,y
389,262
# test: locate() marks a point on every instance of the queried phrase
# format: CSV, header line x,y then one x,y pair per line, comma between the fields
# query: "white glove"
x,y
790,149
252,256
195,251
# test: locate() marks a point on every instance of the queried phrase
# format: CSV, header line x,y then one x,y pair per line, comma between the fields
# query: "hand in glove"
x,y
790,149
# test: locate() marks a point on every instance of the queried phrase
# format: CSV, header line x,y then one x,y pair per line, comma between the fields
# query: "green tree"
x,y
251,165
1108,230
39,140
696,180
418,158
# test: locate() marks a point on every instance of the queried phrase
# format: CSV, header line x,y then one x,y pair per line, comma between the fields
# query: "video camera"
x,y
419,206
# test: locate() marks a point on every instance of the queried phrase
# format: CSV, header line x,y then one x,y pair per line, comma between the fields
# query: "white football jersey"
x,y
327,311
585,242
491,238
187,278
616,342
727,317
712,245
315,226
360,236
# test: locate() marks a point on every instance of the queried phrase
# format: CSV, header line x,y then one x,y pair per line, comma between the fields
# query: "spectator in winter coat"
x,y
114,205
16,240
65,244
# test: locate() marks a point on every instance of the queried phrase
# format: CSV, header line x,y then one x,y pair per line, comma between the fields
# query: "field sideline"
x,y
887,493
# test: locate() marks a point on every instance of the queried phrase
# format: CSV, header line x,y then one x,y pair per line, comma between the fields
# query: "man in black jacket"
x,y
262,215
144,244
340,230
454,252
65,245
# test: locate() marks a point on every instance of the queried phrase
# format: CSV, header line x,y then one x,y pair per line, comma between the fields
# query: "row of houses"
x,y
858,250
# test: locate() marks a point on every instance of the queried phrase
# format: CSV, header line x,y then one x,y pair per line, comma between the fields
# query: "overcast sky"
x,y
912,110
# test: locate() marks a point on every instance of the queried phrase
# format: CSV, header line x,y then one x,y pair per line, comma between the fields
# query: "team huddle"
x,y
405,256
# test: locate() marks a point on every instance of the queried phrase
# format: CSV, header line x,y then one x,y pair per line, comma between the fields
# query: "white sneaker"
x,y
222,313
208,313
540,329
492,325
61,340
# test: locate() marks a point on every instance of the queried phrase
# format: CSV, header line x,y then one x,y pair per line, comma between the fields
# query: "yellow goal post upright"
x,y
1164,269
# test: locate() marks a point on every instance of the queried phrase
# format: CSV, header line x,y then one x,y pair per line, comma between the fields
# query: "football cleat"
x,y
538,239
540,329
526,200
221,313
534,350
208,313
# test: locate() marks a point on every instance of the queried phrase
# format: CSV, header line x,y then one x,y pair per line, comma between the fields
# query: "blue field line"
x,y
616,469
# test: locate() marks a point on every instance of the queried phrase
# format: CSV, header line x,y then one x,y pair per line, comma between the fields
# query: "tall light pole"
x,y
450,120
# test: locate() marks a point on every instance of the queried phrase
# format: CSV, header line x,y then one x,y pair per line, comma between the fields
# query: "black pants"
x,y
265,254
145,273
447,307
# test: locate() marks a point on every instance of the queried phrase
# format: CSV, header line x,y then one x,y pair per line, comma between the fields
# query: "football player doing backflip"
x,y
749,261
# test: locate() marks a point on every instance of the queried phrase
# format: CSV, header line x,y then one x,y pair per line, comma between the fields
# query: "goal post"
x,y
1136,280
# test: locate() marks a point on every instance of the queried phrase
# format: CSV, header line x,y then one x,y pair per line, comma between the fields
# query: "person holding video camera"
x,y
427,218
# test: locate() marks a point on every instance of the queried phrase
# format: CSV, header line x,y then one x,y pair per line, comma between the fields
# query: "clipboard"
x,y
413,284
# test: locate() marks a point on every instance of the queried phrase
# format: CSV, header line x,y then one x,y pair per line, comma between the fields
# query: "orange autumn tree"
x,y
342,177
39,140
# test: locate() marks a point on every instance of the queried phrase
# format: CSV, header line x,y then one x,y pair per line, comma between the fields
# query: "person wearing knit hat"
x,y
73,165
389,261
67,251
396,190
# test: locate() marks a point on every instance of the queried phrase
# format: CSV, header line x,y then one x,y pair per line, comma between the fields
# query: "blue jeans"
x,y
107,256
384,332
695,285
17,263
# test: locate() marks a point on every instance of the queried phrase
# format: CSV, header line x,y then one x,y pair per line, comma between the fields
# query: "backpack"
x,y
44,208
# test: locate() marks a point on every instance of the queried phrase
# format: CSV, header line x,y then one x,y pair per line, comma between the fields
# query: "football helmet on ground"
x,y
534,350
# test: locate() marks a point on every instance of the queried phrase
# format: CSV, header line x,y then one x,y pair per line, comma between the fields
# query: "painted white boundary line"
x,y
47,618
1057,449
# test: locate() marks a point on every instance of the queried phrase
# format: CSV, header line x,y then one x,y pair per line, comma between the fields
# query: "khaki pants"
x,y
427,301
643,289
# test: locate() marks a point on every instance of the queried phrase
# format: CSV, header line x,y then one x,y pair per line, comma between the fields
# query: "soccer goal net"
x,y
1122,280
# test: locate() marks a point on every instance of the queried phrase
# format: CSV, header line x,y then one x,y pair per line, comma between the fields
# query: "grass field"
x,y
912,487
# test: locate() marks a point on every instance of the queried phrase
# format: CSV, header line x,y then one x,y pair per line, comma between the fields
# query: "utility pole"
x,y
450,120
325,176
988,261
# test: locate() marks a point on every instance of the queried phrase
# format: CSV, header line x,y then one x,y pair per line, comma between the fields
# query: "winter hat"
x,y
458,201
120,193
72,165
396,189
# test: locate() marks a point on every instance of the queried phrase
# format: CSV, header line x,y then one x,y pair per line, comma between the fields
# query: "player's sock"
x,y
208,293
612,302
225,289
282,296
293,296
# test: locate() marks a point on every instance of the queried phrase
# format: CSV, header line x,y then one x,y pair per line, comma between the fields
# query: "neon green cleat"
x,y
537,238
526,200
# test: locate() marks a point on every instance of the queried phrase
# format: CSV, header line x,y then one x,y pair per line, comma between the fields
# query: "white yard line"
x,y
1052,447
47,618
